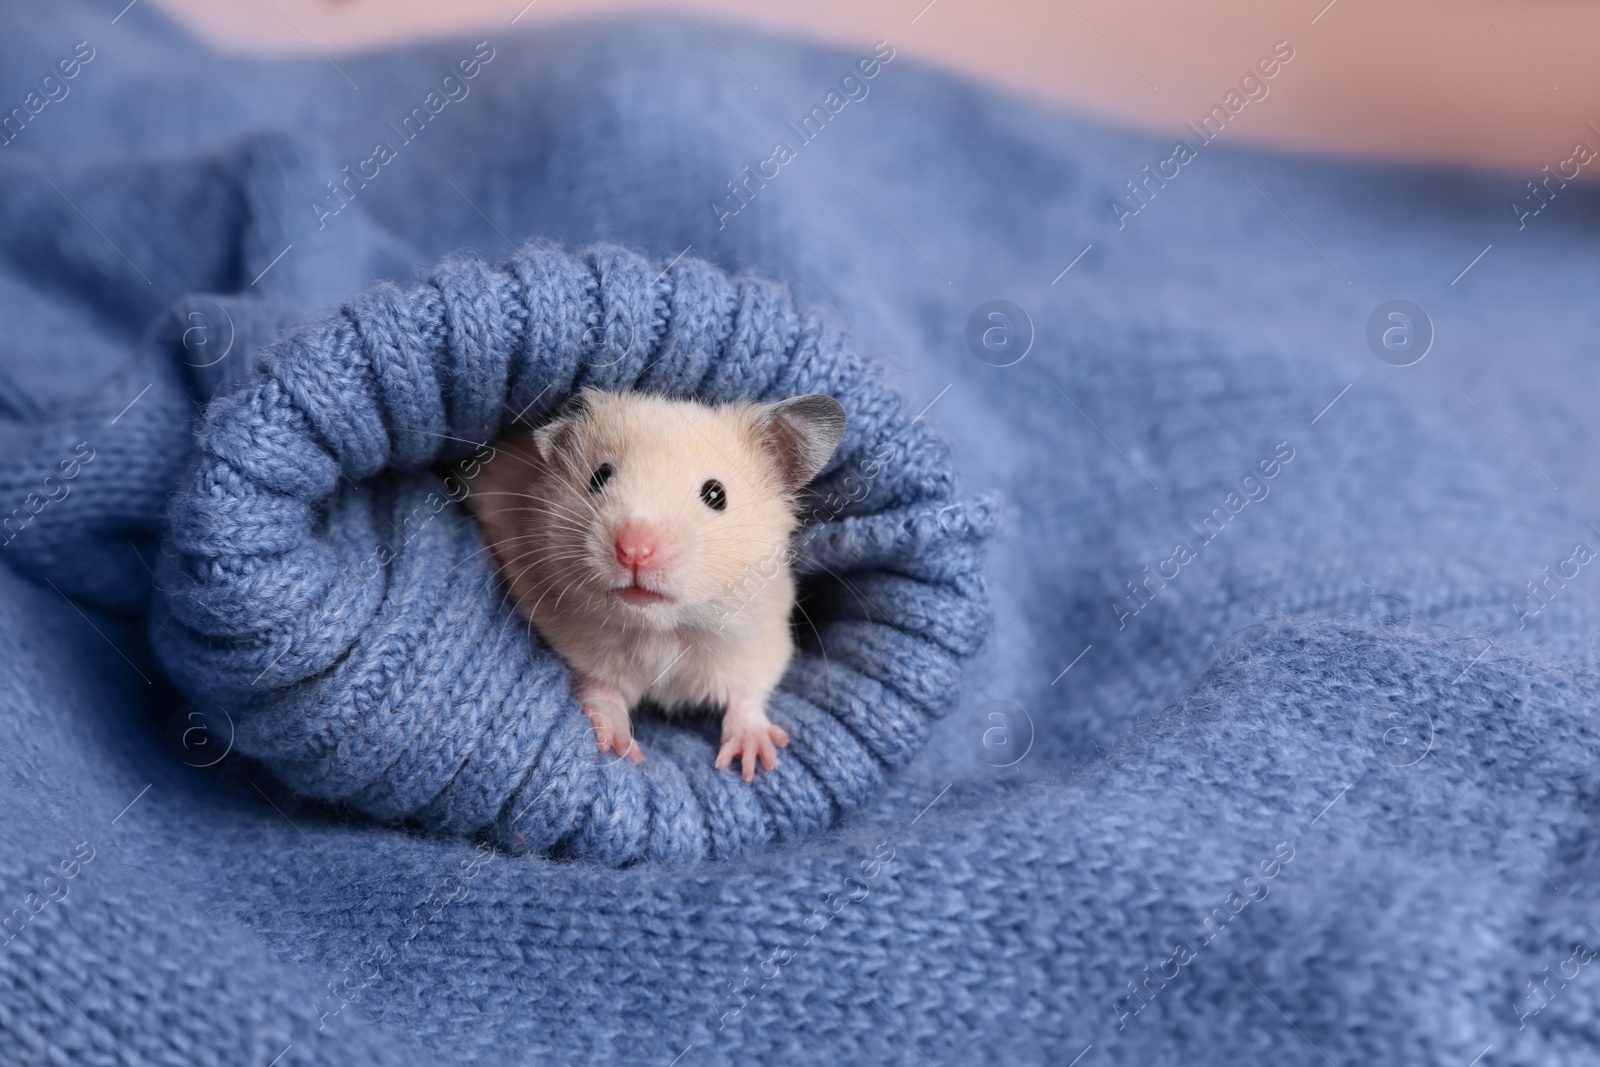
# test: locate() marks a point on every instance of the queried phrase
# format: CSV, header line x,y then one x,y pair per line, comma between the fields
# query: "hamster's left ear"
x,y
800,434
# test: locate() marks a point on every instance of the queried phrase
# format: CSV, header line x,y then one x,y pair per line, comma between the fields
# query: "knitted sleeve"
x,y
324,593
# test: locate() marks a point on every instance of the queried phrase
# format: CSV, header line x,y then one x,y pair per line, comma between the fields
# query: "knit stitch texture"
x,y
320,584
1325,791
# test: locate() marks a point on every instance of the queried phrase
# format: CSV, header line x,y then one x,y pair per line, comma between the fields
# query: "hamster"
x,y
647,540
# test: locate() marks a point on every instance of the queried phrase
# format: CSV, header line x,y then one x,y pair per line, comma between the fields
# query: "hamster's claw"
x,y
612,734
750,741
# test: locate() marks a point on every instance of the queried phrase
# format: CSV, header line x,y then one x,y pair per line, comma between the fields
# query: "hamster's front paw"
x,y
748,735
608,714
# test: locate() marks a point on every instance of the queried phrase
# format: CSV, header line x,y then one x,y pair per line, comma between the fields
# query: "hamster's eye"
x,y
602,474
715,497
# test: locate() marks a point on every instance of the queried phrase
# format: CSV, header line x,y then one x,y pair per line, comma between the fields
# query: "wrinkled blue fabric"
x,y
321,595
1281,750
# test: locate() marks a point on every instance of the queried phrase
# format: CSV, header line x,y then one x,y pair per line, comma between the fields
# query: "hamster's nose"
x,y
641,546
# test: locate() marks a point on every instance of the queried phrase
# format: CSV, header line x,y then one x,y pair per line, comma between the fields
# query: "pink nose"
x,y
642,547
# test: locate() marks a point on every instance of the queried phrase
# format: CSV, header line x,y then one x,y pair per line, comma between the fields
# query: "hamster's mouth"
x,y
639,596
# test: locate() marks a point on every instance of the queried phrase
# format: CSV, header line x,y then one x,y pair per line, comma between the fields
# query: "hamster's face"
x,y
661,509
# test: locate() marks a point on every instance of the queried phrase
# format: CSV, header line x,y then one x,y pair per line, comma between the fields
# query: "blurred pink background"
x,y
1492,82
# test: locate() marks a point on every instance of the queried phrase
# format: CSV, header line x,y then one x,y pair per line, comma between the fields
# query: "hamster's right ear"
x,y
550,438
553,437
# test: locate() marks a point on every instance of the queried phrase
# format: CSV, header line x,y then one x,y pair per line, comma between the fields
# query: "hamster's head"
x,y
665,509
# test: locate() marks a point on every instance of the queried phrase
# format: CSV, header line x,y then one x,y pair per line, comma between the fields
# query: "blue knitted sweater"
x,y
334,615
1280,748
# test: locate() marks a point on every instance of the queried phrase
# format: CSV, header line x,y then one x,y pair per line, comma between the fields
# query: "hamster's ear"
x,y
553,437
800,434
550,437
